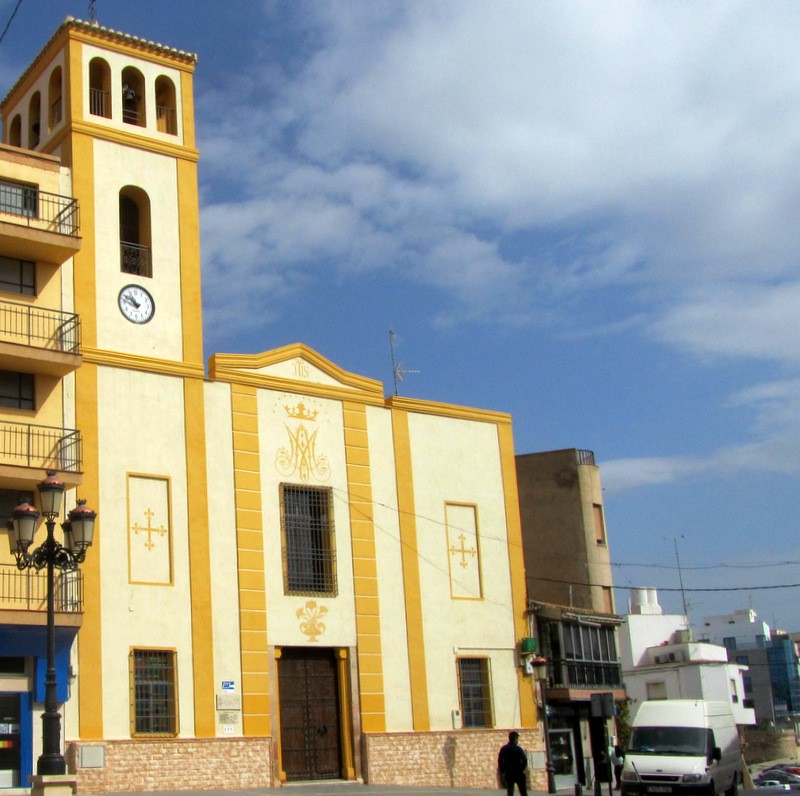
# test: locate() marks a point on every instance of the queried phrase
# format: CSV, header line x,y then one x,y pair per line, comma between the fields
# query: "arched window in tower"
x,y
34,120
133,97
99,88
15,131
54,100
134,231
166,113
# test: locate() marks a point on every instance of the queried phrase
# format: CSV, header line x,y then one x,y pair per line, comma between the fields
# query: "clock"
x,y
136,304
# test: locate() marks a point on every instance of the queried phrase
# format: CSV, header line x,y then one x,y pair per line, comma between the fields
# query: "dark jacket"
x,y
512,760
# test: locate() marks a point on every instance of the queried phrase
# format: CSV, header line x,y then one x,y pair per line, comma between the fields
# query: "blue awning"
x,y
26,641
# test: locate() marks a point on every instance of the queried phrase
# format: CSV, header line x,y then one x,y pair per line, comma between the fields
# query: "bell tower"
x,y
118,112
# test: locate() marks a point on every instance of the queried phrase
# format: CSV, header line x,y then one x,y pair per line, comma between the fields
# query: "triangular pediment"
x,y
296,364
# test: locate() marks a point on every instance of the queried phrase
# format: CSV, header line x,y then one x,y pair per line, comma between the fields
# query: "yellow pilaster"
x,y
250,556
90,648
527,707
345,715
365,573
411,583
200,561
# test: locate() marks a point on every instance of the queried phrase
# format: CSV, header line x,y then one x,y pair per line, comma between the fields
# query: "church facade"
x,y
293,577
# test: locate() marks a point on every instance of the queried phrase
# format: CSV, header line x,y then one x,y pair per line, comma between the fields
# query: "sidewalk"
x,y
338,789
331,789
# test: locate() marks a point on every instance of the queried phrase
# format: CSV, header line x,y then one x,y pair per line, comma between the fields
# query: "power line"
x,y
8,24
678,588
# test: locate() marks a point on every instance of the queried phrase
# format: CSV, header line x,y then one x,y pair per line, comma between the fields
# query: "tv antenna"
x,y
92,12
399,371
680,575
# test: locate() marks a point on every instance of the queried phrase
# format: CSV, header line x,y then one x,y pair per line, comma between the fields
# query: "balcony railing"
x,y
583,674
99,102
166,119
27,590
39,209
40,447
585,457
44,328
135,259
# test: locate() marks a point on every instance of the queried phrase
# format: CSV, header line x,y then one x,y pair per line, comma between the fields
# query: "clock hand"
x,y
131,300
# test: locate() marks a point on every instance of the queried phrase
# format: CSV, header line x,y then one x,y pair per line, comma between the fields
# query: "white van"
x,y
682,746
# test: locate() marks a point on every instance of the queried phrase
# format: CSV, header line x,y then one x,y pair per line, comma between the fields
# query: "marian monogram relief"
x,y
300,459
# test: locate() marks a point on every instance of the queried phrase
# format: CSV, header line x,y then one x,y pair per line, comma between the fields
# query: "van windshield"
x,y
669,741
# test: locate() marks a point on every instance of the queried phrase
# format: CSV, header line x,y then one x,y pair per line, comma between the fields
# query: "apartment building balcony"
x,y
569,679
27,449
36,225
39,340
23,597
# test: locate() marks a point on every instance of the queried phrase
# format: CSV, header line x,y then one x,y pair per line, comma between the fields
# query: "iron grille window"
x,y
16,390
154,703
19,200
474,685
17,276
309,562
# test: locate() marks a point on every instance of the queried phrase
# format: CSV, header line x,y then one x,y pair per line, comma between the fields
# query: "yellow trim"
x,y
187,104
90,646
72,89
256,719
281,774
299,387
365,573
199,559
516,564
170,527
145,140
90,642
191,300
165,367
222,365
447,410
411,578
345,714
474,507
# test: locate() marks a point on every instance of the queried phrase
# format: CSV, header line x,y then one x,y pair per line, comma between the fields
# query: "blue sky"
x,y
584,214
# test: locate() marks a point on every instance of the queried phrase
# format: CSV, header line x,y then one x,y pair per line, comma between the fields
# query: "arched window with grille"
x,y
166,110
15,131
133,99
99,88
134,232
55,111
34,120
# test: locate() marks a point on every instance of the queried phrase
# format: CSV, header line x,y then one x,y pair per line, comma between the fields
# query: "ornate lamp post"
x,y
540,668
78,535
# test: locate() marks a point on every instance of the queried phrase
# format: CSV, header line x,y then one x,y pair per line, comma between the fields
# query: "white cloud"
x,y
742,319
521,159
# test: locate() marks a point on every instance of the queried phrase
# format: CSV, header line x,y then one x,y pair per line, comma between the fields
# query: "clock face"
x,y
136,304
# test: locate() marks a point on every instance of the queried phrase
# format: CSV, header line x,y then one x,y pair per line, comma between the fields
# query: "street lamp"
x,y
540,667
78,534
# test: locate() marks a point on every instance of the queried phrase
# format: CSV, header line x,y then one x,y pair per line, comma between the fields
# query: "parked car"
x,y
772,783
789,768
780,776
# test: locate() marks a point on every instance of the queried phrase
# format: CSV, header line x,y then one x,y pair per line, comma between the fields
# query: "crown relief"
x,y
299,412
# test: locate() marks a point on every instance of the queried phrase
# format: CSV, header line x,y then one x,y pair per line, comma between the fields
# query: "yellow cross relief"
x,y
149,530
463,551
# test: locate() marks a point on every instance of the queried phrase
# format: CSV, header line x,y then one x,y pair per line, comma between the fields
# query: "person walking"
x,y
512,763
618,761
